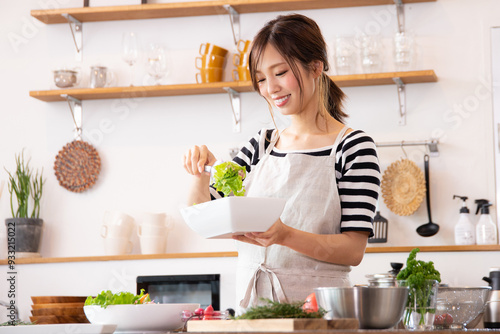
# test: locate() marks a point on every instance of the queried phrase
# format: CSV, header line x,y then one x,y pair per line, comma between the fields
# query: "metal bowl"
x,y
375,307
460,307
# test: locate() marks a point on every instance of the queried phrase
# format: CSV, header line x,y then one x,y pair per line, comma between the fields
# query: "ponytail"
x,y
332,98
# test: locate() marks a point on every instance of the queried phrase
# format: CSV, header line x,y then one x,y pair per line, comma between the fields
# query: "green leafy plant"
x,y
27,188
276,310
228,177
416,275
106,298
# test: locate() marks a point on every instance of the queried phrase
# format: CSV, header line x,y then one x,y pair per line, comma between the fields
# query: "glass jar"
x,y
421,306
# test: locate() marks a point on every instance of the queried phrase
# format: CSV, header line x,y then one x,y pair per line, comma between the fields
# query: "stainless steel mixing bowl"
x,y
375,307
460,307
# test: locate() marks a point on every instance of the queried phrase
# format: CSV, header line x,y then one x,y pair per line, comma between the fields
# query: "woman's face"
x,y
278,85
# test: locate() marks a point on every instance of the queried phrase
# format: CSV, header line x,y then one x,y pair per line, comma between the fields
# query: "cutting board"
x,y
269,325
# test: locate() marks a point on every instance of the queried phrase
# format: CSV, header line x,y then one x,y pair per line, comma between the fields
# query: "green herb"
x,y
17,323
106,298
228,177
276,310
415,274
23,185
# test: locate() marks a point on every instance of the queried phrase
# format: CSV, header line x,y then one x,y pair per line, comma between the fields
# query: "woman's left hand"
x,y
275,235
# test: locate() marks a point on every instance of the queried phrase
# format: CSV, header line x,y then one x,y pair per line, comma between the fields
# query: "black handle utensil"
x,y
429,229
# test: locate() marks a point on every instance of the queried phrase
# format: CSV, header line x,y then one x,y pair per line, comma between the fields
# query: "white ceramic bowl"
x,y
224,217
144,317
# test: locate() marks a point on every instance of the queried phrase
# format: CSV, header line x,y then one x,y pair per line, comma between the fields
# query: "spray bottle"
x,y
464,230
486,230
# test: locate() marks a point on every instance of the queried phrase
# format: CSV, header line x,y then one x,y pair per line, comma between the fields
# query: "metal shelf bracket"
x,y
400,8
401,100
75,106
77,34
234,19
234,96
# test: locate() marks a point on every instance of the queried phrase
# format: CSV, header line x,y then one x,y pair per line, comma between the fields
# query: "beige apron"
x,y
309,185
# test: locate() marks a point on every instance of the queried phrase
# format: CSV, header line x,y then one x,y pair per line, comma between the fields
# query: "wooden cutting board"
x,y
57,299
59,311
269,325
56,305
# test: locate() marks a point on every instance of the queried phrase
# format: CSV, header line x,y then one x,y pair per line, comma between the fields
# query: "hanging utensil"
x,y
403,187
429,229
380,227
78,164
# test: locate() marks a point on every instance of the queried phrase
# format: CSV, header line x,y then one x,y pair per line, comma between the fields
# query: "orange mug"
x,y
209,60
240,59
209,74
242,45
241,73
207,48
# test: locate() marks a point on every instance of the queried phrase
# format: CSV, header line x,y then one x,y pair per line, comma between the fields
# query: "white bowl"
x,y
143,317
227,216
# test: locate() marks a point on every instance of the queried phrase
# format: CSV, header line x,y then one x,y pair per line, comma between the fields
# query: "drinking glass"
x,y
403,50
370,53
130,52
345,55
421,306
157,64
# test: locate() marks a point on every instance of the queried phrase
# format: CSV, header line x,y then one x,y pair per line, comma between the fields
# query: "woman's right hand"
x,y
196,158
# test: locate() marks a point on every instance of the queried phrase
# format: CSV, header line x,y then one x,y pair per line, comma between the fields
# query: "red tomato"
x,y
310,305
209,312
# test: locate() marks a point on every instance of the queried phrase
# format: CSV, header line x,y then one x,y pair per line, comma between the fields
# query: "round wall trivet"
x,y
77,166
403,187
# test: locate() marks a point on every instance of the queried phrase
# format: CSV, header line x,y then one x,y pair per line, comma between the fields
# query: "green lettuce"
x,y
106,298
228,177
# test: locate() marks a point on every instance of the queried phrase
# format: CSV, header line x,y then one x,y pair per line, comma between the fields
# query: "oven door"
x,y
202,289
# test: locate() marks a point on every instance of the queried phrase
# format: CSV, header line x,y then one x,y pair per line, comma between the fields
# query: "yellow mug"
x,y
209,74
207,48
242,45
240,59
209,60
241,73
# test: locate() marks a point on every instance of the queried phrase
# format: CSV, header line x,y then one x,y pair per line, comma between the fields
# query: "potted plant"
x,y
26,189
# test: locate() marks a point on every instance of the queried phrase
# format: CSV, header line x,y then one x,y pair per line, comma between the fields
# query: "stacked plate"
x,y
58,309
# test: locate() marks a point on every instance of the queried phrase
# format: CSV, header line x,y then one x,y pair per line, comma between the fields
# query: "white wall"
x,y
142,149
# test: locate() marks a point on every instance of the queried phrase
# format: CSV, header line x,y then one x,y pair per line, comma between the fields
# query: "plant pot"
x,y
27,234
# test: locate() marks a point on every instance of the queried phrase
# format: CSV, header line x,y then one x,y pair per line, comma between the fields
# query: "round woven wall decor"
x,y
77,166
403,187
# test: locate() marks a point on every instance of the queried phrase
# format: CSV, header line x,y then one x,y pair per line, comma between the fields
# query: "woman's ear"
x,y
317,68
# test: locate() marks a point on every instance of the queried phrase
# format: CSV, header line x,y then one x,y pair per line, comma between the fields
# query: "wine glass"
x,y
157,65
130,52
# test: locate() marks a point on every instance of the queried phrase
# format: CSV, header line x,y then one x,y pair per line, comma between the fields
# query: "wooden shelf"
x,y
199,8
38,260
452,248
218,87
404,249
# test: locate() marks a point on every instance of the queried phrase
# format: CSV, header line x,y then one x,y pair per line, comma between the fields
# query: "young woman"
x,y
328,173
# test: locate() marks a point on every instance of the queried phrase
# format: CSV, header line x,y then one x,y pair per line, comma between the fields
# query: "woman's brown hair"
x,y
299,40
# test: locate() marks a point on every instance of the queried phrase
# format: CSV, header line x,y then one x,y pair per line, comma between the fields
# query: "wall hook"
x,y
77,34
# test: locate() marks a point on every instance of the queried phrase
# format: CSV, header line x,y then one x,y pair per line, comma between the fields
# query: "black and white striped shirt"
x,y
356,169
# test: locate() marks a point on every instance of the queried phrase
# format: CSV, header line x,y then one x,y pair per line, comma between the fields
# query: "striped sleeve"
x,y
249,155
358,177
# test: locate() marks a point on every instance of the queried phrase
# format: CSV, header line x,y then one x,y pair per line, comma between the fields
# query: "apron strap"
x,y
338,139
331,162
277,290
